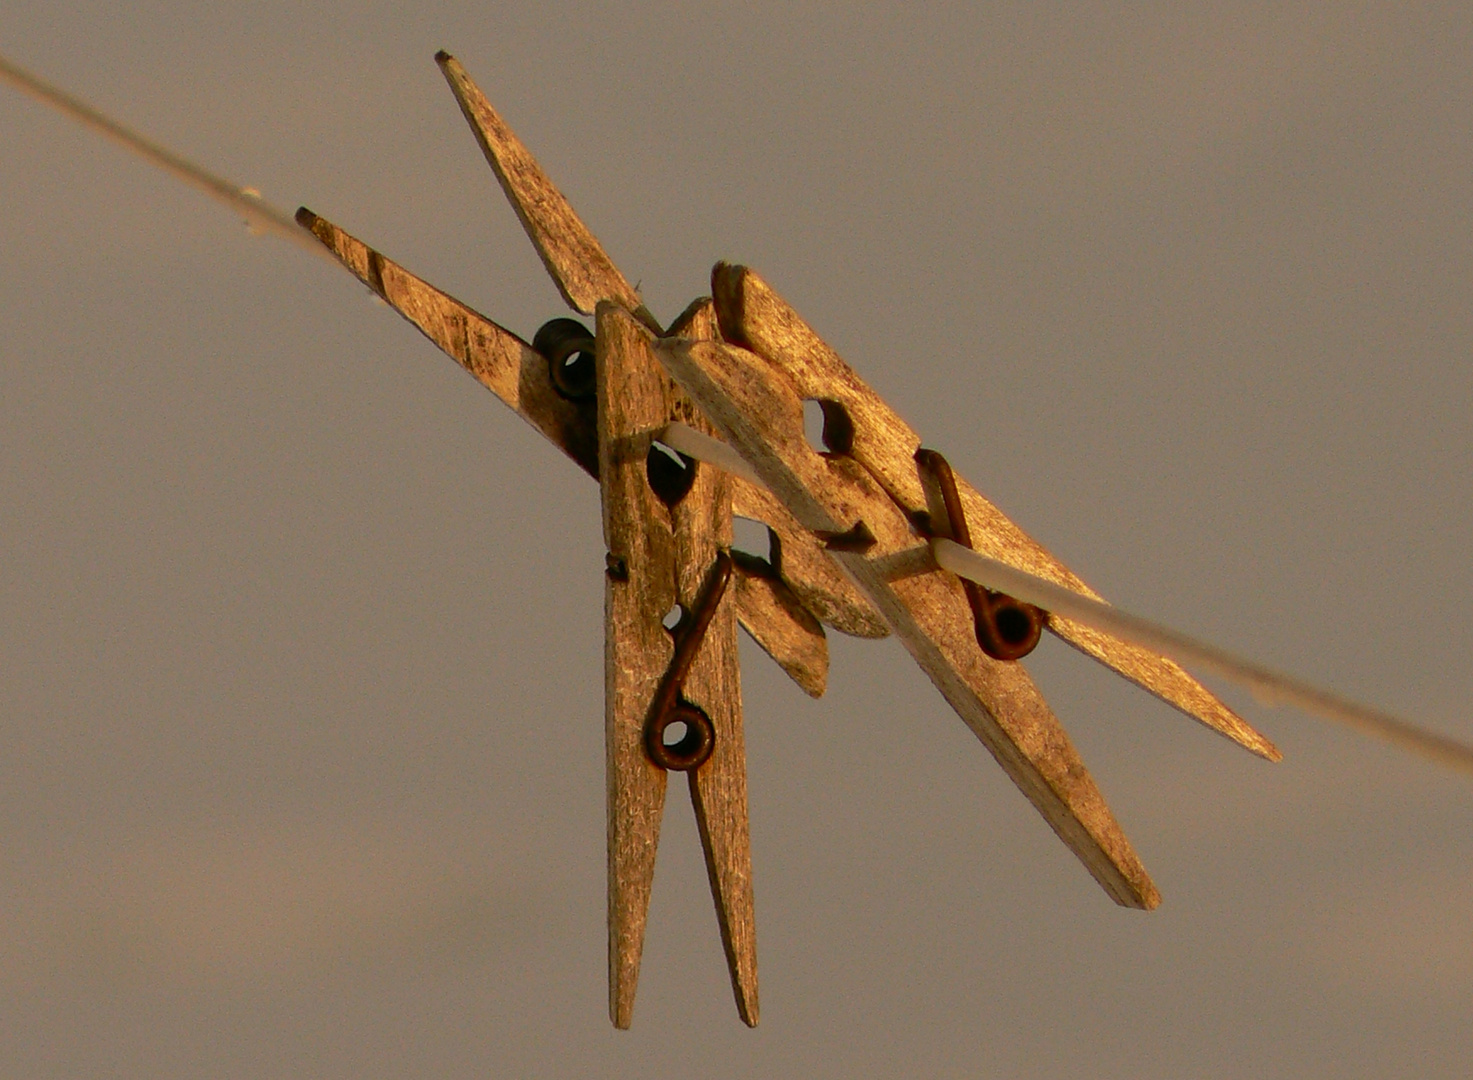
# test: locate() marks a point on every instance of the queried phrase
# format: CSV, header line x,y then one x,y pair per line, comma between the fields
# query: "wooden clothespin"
x,y
873,536
855,535
672,690
867,498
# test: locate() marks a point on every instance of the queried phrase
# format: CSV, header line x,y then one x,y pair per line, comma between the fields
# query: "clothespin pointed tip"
x,y
748,1011
579,267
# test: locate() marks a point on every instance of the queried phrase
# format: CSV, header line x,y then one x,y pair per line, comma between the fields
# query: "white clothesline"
x,y
260,216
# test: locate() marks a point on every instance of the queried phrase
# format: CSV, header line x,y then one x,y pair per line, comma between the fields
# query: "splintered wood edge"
x,y
751,314
997,701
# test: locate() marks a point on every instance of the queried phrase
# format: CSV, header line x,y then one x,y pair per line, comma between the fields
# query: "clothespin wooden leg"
x,y
662,545
754,316
639,591
718,789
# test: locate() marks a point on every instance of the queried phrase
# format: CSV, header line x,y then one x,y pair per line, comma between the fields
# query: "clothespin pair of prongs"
x,y
879,500
872,536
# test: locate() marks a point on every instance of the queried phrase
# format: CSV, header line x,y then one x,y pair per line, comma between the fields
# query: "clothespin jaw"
x,y
668,529
493,355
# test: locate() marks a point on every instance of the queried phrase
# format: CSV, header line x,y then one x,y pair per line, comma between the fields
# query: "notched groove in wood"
x,y
807,570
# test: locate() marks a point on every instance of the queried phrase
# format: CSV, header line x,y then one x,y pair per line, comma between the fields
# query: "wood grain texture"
x,y
639,590
760,412
508,367
798,559
497,358
659,557
577,263
754,316
770,608
784,629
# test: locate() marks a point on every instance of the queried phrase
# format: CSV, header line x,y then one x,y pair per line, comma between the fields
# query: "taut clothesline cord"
x,y
261,216
1273,687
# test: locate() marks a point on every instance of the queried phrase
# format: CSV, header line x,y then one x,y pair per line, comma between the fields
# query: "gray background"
x,y
301,766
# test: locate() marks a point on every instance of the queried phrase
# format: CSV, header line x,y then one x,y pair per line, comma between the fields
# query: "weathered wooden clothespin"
x,y
867,498
672,686
858,535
